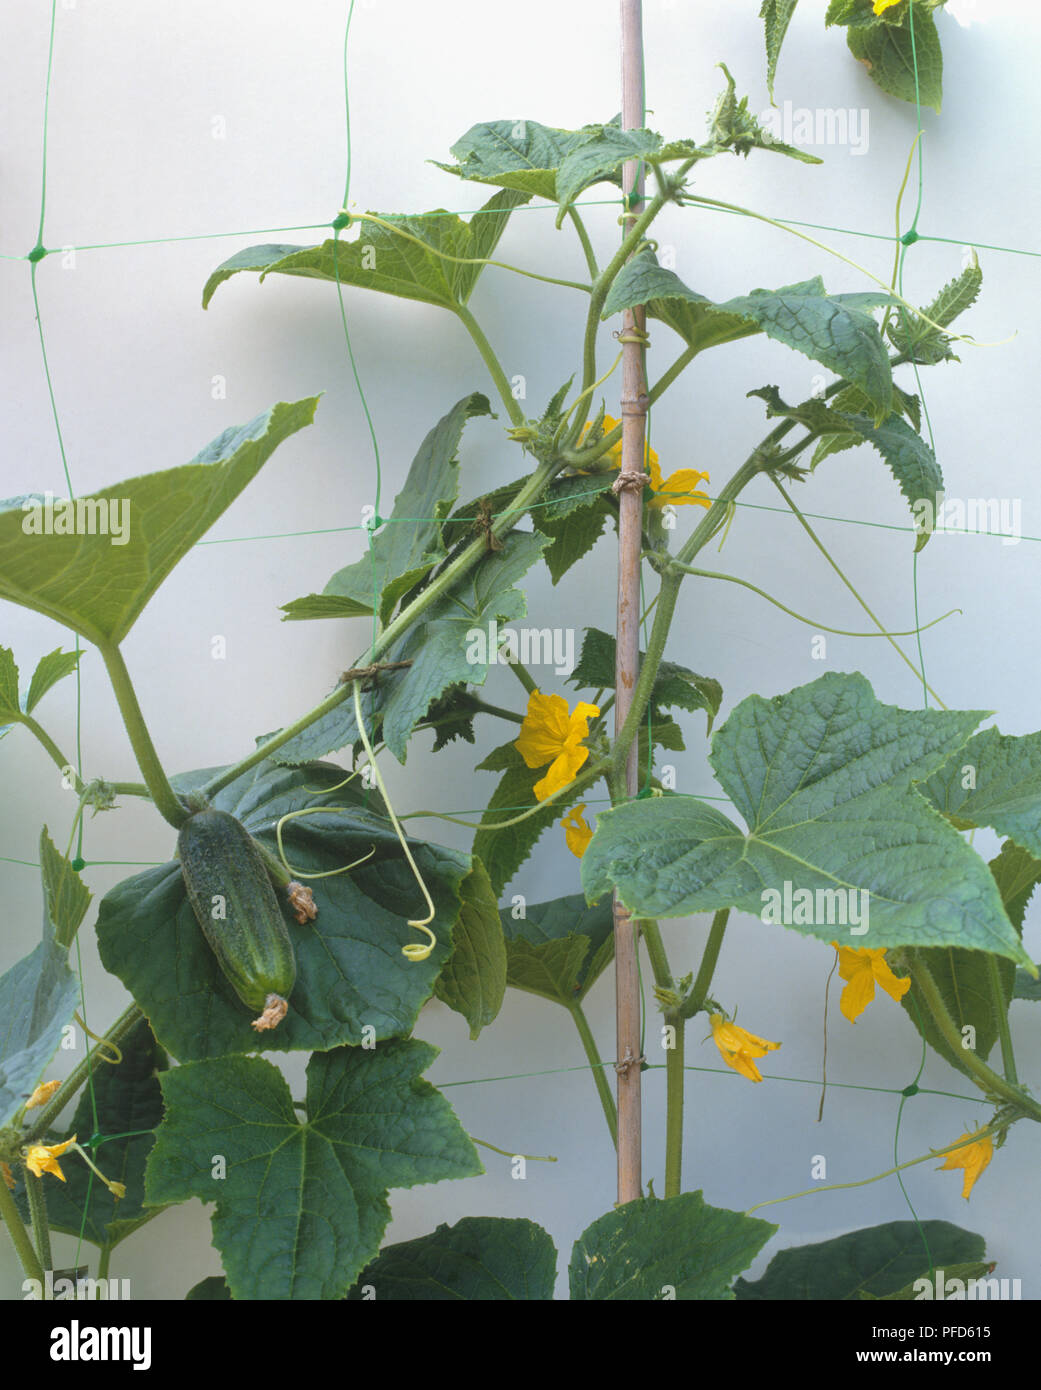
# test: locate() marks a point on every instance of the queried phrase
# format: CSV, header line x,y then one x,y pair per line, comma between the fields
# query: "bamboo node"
x,y
630,480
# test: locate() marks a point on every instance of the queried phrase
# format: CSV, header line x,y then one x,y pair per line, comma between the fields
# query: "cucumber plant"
x,y
838,792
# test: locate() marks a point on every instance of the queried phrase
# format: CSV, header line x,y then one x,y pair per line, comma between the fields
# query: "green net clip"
x,y
909,238
341,221
37,253
911,1090
79,864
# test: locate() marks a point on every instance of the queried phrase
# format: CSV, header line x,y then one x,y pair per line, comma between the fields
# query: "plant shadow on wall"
x,y
297,915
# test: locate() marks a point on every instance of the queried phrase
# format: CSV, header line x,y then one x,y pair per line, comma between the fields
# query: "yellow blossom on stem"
x,y
42,1094
973,1158
881,5
862,968
679,489
739,1048
42,1158
550,734
576,831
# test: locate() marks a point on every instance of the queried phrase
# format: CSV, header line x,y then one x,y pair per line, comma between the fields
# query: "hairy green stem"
x,y
674,1077
989,1081
72,1083
19,1236
703,983
587,245
602,285
54,752
103,1261
38,1215
1000,1007
491,362
166,801
596,1066
674,1060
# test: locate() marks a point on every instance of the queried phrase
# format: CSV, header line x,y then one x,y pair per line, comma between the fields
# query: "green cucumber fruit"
x,y
236,907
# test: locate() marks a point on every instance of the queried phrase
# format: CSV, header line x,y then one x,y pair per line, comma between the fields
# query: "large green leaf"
x,y
573,518
994,780
409,262
879,1260
676,1247
97,583
823,777
409,545
964,978
776,15
350,970
128,1106
302,1203
833,329
905,68
693,316
558,949
37,998
473,981
522,155
673,686
481,1259
598,158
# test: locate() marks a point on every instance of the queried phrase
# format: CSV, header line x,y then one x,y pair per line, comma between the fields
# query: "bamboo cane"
x,y
630,490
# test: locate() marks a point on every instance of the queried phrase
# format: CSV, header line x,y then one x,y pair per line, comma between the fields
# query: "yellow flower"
x,y
862,968
679,489
739,1047
550,734
41,1158
972,1157
576,832
42,1094
881,5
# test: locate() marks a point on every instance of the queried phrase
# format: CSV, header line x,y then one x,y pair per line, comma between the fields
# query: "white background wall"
x,y
131,156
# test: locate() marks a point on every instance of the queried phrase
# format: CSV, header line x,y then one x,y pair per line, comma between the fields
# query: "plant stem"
x,y
20,1237
587,245
166,801
674,1058
103,1261
674,1078
671,373
68,1088
524,676
988,1081
491,362
57,756
38,1215
596,1065
696,999
1000,1007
